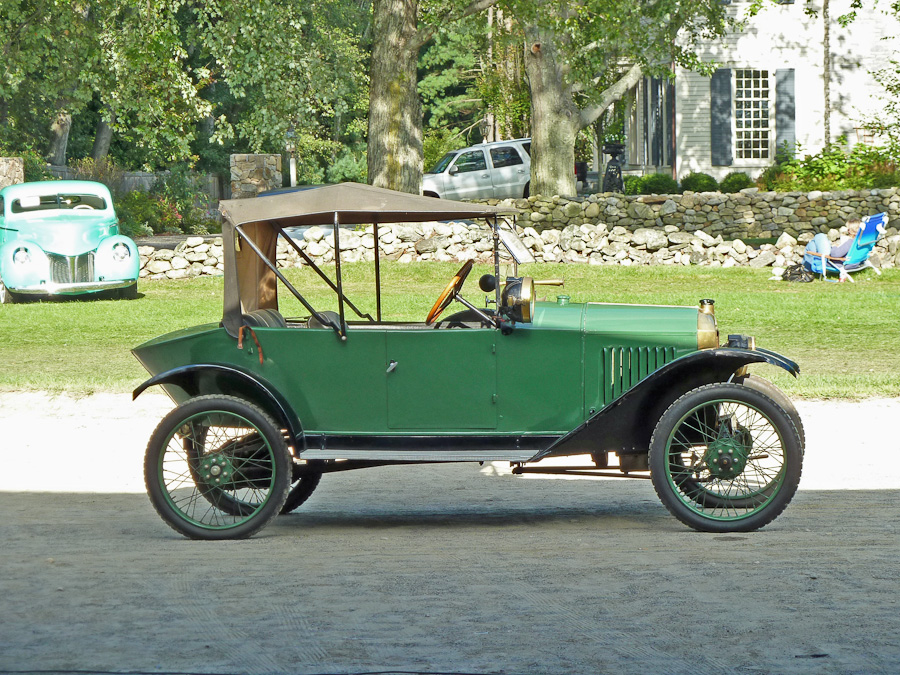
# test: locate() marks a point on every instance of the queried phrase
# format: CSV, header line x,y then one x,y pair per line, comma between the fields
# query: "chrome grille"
x,y
624,367
72,269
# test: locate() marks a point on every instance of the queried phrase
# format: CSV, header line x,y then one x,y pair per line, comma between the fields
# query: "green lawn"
x,y
846,337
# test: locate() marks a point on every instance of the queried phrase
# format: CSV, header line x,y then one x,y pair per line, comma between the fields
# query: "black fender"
x,y
625,425
215,379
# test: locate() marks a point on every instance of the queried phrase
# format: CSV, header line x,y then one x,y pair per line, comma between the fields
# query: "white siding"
x,y
782,37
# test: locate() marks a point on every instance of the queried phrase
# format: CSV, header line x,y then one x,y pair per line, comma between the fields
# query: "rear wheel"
x,y
725,458
302,489
217,467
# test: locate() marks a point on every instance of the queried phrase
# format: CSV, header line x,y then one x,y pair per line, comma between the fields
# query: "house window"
x,y
752,121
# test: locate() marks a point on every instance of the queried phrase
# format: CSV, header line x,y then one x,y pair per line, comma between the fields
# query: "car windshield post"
x,y
337,265
377,272
495,229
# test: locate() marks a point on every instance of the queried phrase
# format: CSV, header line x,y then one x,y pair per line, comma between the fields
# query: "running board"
x,y
420,455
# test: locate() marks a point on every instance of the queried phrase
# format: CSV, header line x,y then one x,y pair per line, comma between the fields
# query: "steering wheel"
x,y
447,295
83,207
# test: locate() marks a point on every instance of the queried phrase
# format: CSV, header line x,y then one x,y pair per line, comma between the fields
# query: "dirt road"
x,y
454,569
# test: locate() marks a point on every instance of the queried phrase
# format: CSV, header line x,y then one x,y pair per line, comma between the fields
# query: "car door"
x,y
510,172
468,177
441,380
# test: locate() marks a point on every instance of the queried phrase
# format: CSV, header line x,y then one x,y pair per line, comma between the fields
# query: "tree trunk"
x,y
394,156
554,119
102,140
59,138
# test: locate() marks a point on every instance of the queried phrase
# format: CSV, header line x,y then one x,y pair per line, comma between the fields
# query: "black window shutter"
x,y
656,147
720,118
785,112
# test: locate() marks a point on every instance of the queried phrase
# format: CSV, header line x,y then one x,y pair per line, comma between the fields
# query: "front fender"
x,y
21,275
625,425
215,379
108,267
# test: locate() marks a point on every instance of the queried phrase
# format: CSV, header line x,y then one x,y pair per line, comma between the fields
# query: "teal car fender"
x,y
116,258
22,263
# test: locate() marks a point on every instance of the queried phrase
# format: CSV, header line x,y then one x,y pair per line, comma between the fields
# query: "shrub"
x,y
699,182
658,184
834,168
735,182
142,213
36,167
633,184
347,167
102,171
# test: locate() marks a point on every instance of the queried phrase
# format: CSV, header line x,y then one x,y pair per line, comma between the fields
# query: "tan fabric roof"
x,y
355,204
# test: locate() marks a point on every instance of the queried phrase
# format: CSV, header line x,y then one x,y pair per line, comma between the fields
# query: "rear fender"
x,y
626,424
214,379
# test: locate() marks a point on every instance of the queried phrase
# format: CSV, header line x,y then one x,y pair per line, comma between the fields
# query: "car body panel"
x,y
502,170
64,247
380,382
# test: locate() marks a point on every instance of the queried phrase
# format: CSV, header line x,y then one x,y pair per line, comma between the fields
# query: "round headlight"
x,y
517,299
120,252
22,256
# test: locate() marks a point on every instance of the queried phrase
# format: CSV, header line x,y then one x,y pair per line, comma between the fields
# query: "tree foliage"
x,y
167,75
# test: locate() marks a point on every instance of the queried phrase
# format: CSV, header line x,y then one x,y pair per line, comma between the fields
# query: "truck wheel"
x,y
217,467
725,458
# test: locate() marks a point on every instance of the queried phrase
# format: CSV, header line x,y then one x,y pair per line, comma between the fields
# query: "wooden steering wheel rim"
x,y
447,295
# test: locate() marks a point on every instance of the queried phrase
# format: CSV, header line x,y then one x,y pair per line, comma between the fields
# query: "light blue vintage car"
x,y
62,238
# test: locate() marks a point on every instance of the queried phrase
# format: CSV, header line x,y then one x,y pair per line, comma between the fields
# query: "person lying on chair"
x,y
821,244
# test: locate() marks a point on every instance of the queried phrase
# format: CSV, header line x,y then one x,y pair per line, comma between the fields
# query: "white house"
x,y
767,91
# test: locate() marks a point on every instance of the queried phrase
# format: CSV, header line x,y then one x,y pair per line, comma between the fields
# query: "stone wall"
x,y
12,171
252,174
587,243
748,214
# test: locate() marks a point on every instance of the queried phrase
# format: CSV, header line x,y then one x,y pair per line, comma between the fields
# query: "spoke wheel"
x,y
725,458
302,489
217,467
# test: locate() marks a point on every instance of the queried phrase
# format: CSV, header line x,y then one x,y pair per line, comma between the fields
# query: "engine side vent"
x,y
624,367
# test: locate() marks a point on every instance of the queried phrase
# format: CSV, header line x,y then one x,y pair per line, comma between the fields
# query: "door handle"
x,y
392,366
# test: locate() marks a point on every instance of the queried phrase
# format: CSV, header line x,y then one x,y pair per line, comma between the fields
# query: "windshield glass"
x,y
516,248
57,202
444,162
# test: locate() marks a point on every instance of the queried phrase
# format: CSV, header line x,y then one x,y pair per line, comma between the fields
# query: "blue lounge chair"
x,y
857,257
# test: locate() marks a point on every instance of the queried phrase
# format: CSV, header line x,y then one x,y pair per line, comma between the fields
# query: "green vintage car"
x,y
266,405
62,237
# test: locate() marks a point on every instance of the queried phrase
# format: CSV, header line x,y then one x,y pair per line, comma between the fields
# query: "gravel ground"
x,y
440,568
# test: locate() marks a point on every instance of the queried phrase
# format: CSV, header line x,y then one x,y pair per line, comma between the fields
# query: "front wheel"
x,y
725,458
7,297
217,467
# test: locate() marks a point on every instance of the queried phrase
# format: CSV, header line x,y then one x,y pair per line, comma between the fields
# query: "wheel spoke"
x,y
747,437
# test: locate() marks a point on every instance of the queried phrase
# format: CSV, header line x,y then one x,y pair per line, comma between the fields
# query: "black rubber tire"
x,y
128,293
301,490
764,386
168,468
7,297
773,471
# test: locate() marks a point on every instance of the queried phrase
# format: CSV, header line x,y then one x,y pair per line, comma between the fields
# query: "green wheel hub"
x,y
726,456
217,471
